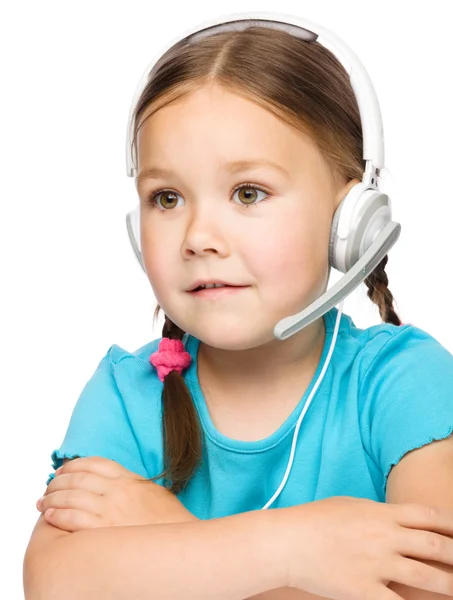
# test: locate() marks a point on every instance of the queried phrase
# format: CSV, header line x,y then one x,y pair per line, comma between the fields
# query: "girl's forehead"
x,y
220,128
279,148
226,109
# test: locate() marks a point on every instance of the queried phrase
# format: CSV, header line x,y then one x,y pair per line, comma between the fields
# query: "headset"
x,y
362,230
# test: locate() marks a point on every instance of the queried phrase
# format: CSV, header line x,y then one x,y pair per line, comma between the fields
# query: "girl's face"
x,y
200,228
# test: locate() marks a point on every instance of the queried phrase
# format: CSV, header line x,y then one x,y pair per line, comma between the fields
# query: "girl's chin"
x,y
233,338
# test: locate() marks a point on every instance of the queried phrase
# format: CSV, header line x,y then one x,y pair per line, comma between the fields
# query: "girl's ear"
x,y
343,191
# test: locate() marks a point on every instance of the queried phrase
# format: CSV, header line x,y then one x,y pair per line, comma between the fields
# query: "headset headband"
x,y
370,114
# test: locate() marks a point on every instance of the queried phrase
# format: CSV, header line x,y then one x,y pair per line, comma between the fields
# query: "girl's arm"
x,y
232,557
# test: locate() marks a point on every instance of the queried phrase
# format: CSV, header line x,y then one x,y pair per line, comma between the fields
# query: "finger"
x,y
70,519
417,574
97,464
426,545
90,482
93,464
74,499
420,516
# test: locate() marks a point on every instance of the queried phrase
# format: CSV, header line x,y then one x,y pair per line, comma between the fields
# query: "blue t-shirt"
x,y
386,391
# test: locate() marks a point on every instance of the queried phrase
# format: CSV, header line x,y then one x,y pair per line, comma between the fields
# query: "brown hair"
x,y
306,86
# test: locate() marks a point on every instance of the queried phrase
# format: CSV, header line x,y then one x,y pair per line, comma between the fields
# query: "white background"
x,y
71,283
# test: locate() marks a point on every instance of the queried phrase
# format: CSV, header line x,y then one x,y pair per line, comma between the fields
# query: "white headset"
x,y
362,230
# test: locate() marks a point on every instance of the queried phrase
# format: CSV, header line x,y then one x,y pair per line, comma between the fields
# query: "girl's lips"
x,y
218,292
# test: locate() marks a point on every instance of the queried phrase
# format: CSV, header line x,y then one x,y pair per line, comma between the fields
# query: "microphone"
x,y
347,284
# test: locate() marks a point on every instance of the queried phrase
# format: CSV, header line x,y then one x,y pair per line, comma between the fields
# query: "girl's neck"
x,y
266,371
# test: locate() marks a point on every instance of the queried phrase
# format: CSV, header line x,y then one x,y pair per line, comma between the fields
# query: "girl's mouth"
x,y
216,292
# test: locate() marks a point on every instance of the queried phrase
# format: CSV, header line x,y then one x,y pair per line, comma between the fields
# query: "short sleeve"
x,y
407,395
99,424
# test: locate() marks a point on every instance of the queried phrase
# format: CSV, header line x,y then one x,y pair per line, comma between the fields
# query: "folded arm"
x,y
232,557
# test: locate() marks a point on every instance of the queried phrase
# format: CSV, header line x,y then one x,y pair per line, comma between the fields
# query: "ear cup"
x,y
360,217
133,230
333,236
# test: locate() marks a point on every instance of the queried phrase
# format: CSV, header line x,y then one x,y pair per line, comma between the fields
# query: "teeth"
x,y
212,285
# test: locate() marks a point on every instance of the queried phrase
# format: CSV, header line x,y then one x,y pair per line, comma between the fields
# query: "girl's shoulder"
x,y
404,393
403,348
385,343
117,353
117,414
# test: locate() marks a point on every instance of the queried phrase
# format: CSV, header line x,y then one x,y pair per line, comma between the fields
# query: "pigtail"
x,y
181,428
379,293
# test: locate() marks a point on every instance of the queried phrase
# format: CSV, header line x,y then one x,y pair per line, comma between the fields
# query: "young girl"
x,y
247,142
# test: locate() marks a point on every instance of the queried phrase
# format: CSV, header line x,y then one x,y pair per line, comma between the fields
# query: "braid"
x,y
181,429
379,293
171,330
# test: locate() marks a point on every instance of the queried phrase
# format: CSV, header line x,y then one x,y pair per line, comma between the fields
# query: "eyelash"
x,y
151,198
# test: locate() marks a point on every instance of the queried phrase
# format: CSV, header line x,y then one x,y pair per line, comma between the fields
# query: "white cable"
x,y
307,404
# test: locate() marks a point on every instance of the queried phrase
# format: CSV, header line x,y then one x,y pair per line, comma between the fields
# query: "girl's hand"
x,y
98,492
349,548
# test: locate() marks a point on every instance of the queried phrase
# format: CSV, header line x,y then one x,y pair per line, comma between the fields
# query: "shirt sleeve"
x,y
99,424
408,397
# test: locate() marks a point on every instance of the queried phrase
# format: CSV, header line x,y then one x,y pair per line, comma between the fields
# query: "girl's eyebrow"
x,y
230,167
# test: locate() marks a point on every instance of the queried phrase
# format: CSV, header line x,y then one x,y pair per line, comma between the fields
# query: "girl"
x,y
247,142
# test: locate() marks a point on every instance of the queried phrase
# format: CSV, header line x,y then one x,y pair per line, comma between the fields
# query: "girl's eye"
x,y
249,196
247,199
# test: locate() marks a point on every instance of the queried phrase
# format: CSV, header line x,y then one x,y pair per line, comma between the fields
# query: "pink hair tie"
x,y
171,356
